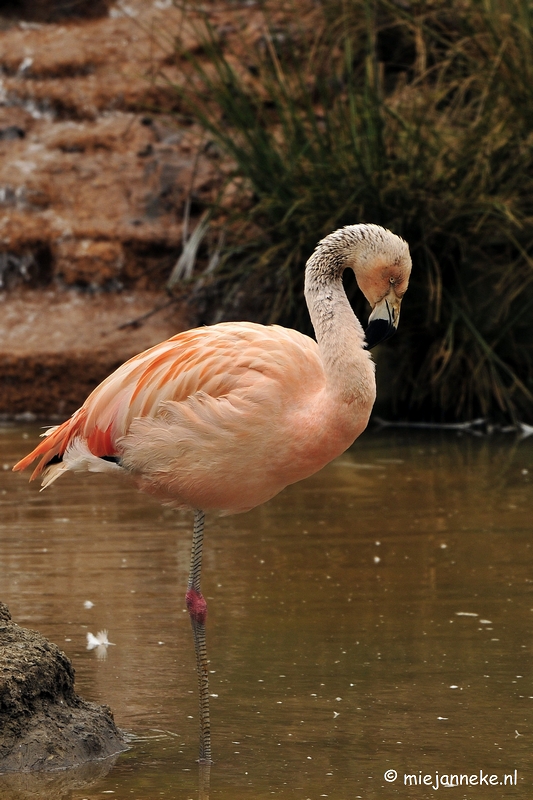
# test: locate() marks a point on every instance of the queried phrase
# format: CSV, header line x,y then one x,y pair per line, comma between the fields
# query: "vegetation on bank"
x,y
415,116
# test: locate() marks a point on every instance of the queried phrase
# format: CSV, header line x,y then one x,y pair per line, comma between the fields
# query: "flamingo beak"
x,y
383,321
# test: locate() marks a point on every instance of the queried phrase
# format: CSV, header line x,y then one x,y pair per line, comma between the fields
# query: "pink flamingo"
x,y
224,417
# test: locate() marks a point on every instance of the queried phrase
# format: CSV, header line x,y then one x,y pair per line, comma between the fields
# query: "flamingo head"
x,y
382,268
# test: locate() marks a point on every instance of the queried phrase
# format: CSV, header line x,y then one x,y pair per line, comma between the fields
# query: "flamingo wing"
x,y
231,363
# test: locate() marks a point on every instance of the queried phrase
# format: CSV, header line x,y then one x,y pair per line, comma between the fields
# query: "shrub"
x,y
415,117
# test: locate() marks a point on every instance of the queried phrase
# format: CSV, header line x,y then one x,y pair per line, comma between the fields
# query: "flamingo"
x,y
222,418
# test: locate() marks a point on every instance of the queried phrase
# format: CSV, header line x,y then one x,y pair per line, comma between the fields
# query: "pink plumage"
x,y
218,418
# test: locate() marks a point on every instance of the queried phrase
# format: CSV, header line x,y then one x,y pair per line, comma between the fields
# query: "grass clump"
x,y
415,117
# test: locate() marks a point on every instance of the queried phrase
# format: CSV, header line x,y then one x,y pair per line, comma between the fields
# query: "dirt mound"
x,y
44,724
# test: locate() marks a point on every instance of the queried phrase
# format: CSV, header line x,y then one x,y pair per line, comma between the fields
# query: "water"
x,y
375,617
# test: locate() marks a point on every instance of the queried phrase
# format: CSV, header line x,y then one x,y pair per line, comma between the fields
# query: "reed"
x,y
417,117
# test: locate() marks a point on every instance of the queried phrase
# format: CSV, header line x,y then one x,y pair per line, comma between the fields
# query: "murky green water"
x,y
378,616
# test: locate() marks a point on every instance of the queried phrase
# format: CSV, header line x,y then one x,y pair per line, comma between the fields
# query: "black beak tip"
x,y
377,331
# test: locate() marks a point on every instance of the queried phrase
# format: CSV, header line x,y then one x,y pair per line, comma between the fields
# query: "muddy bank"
x,y
44,724
56,346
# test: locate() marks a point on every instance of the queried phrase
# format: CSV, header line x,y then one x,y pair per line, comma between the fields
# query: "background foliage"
x,y
415,116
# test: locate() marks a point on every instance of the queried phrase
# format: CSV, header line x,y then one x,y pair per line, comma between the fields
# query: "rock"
x,y
81,164
86,262
83,193
44,724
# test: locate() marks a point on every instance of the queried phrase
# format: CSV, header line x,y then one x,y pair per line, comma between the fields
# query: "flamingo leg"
x,y
197,608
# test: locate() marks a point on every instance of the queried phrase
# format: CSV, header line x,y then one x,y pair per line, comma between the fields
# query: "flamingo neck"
x,y
347,364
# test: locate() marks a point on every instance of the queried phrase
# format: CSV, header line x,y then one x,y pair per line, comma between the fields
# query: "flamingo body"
x,y
219,418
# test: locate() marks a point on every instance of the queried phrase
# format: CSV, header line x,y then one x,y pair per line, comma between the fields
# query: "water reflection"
x,y
56,785
341,629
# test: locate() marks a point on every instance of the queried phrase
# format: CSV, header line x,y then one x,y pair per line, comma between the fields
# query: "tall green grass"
x,y
418,117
